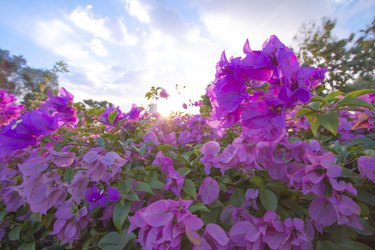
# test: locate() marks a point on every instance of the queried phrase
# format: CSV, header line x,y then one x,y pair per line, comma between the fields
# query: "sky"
x,y
117,49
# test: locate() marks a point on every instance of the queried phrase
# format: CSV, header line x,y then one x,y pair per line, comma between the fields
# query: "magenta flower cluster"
x,y
9,110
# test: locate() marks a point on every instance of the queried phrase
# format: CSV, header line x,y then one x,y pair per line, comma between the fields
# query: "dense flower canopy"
x,y
278,165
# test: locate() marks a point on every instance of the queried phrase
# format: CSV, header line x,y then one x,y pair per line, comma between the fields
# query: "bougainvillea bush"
x,y
278,165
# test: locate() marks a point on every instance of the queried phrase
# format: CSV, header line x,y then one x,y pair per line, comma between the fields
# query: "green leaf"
x,y
366,197
100,141
360,92
189,188
144,187
354,245
237,198
327,245
329,120
112,116
99,111
268,199
132,197
184,171
352,102
156,184
120,213
125,186
165,147
332,96
27,246
257,180
198,207
319,99
315,105
3,213
115,240
304,111
14,234
314,125
68,175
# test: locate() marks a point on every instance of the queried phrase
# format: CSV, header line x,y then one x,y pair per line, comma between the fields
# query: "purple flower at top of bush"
x,y
26,131
118,116
209,191
163,94
366,167
63,108
9,110
134,112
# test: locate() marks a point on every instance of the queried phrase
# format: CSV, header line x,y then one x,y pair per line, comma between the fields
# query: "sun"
x,y
166,107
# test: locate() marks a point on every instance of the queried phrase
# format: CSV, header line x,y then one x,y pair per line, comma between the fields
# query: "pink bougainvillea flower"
x,y
366,167
209,191
163,94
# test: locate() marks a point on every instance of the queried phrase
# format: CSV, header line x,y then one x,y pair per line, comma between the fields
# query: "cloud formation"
x,y
162,43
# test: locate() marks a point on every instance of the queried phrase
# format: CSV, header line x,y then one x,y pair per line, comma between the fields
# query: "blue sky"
x,y
117,49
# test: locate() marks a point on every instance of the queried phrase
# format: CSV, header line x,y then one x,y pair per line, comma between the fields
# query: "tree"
x,y
350,61
27,82
97,104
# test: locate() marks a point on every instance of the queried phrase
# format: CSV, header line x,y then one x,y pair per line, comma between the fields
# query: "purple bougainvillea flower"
x,y
104,116
347,210
295,234
209,191
322,213
11,198
174,181
61,159
366,167
113,194
96,197
184,106
216,237
165,222
33,166
43,192
62,108
68,225
151,137
134,112
25,131
210,148
163,94
158,213
9,110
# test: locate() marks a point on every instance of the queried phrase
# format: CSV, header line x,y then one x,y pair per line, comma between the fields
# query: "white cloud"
x,y
109,62
98,48
138,9
109,29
